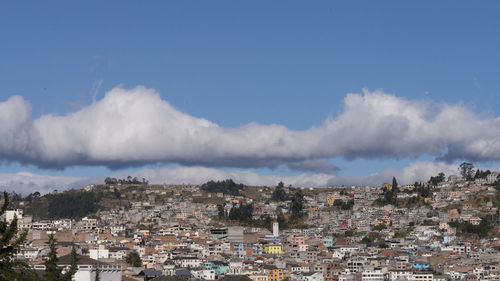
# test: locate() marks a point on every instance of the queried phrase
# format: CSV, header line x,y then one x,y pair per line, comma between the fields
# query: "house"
x,y
275,249
312,276
149,274
275,274
204,274
422,277
87,269
187,262
373,275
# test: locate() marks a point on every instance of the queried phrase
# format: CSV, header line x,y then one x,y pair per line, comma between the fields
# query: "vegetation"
x,y
11,269
482,230
128,180
481,174
297,204
389,196
97,273
466,170
53,272
73,204
279,193
241,213
379,227
226,186
134,259
437,179
343,205
423,191
496,198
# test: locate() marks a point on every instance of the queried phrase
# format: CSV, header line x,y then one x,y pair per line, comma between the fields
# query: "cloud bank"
x,y
133,127
26,183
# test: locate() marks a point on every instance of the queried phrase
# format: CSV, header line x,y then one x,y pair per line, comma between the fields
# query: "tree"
x,y
97,273
466,170
10,268
437,179
73,266
73,204
221,211
279,193
482,174
242,213
395,188
226,186
134,259
107,180
52,271
281,220
297,204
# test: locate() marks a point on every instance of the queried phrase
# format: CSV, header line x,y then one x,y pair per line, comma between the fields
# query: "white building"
x,y
373,275
99,254
10,214
276,229
187,262
87,269
204,274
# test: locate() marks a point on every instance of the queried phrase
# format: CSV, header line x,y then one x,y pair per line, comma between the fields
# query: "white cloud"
x,y
133,127
416,171
26,183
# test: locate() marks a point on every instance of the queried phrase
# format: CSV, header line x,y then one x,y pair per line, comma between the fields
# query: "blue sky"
x,y
290,63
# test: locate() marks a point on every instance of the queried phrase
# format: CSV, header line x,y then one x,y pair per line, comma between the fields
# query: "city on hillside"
x,y
446,228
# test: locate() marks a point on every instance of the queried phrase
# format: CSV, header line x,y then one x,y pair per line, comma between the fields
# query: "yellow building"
x,y
273,249
258,277
332,197
275,274
383,221
387,186
422,277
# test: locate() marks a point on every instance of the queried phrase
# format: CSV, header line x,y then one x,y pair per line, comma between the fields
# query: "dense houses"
x,y
181,236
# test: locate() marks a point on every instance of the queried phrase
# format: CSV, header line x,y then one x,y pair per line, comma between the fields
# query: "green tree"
x,y
226,186
68,276
297,204
242,213
221,211
53,272
10,268
466,170
97,273
395,188
279,193
134,259
281,220
437,179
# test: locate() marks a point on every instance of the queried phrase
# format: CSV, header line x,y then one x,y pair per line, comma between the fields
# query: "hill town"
x,y
128,229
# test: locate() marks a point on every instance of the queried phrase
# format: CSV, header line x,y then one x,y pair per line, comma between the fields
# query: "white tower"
x,y
276,229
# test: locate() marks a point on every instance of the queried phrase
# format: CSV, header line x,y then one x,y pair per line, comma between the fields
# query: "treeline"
x,y
226,186
72,204
128,180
